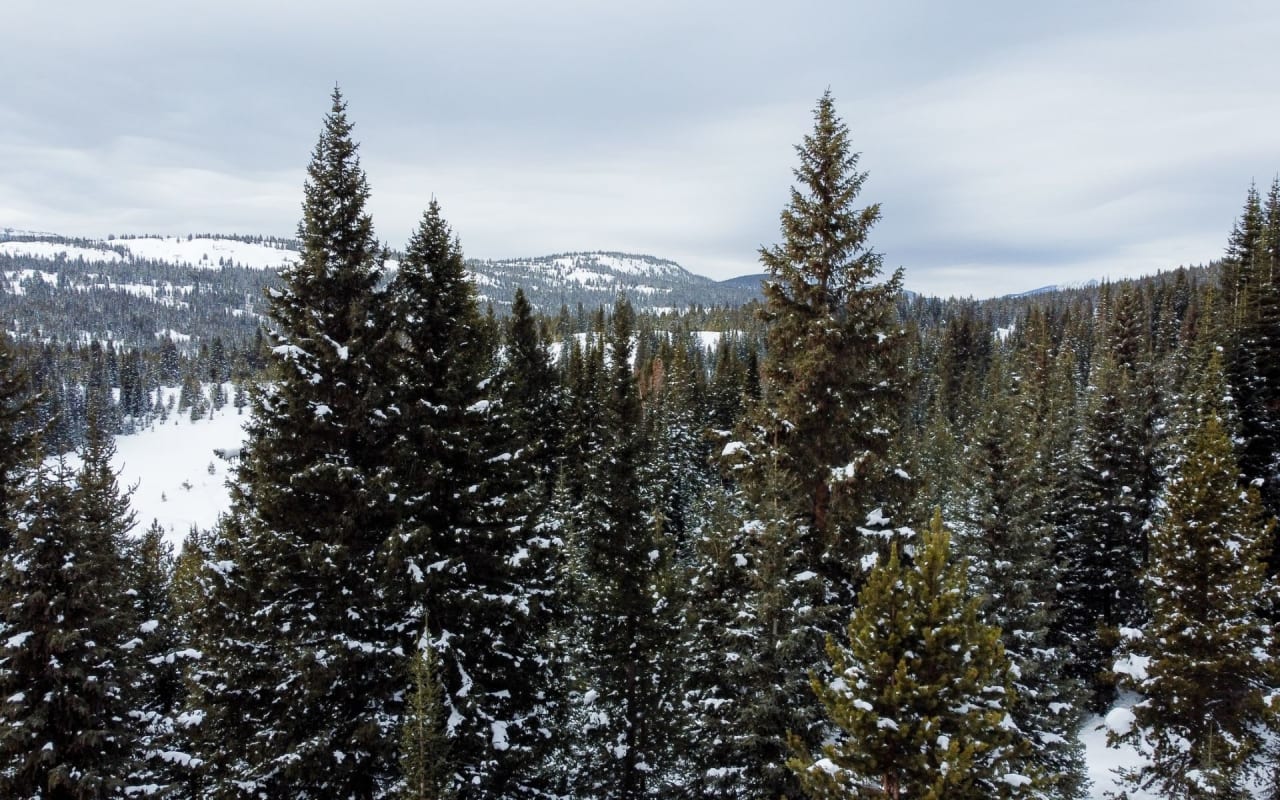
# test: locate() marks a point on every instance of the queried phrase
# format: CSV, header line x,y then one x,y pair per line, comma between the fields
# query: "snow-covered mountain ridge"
x,y
591,277
199,252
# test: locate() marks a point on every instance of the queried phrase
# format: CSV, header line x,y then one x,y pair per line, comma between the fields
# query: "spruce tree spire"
x,y
831,363
815,464
303,668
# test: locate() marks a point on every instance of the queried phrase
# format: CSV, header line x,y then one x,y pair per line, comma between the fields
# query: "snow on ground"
x,y
205,252
52,250
168,466
709,340
1103,760
16,278
199,252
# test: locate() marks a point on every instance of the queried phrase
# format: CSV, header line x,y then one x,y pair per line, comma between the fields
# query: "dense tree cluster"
x,y
844,542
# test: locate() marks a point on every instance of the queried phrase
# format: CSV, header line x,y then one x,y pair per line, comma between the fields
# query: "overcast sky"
x,y
1010,144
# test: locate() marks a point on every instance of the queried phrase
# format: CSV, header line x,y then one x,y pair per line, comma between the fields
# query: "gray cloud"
x,y
1010,144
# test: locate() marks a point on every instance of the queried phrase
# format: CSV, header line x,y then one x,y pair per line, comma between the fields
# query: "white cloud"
x,y
1008,148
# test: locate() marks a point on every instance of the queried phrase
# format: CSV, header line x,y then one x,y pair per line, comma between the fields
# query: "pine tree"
x,y
833,362
19,449
1005,533
921,694
716,646
529,393
816,461
299,685
1238,268
1102,542
1252,331
424,744
64,731
457,556
1206,662
157,657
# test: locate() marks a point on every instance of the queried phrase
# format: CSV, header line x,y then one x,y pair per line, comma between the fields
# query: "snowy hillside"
x,y
198,252
596,278
175,476
591,278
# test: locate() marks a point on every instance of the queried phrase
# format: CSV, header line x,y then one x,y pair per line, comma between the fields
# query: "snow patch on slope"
x,y
51,251
196,252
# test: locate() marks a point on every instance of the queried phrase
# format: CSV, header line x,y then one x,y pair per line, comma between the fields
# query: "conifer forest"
x,y
861,543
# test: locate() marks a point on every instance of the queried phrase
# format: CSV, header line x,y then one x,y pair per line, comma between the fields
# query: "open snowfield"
x,y
199,252
168,467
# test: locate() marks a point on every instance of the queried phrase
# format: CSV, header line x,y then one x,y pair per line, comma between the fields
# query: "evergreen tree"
x,y
64,731
19,448
921,694
1005,534
529,393
833,362
1206,662
1252,333
1238,268
157,657
299,685
457,556
816,464
716,644
424,744
1102,545
624,682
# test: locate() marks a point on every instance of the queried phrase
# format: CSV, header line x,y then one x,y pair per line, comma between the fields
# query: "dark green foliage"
x,y
622,660
157,659
1253,362
18,441
461,553
64,726
1206,662
815,463
833,361
1102,541
304,669
1005,533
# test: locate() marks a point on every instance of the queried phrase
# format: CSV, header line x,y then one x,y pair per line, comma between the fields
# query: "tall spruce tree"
x,y
1252,331
1205,663
456,556
303,664
816,463
921,694
1102,543
833,361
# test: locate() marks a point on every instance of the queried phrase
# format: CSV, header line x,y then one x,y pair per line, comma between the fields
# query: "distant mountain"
x,y
748,282
1057,288
597,278
131,289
